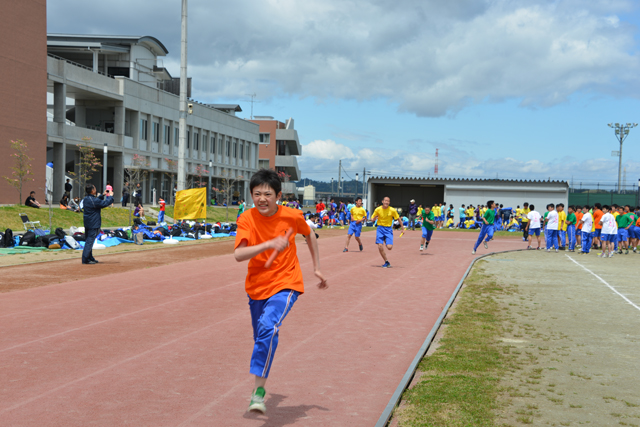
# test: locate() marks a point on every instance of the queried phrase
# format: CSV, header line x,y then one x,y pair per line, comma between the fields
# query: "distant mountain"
x,y
347,186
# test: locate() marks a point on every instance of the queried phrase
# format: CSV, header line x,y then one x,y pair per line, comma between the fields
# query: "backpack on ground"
x,y
138,238
73,244
60,233
79,237
175,232
151,223
28,239
7,239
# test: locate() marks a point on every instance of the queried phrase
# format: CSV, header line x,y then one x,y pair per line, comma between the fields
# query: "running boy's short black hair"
x,y
266,177
489,203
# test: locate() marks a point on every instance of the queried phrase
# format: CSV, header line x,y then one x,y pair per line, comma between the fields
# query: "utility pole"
x,y
364,177
182,126
339,177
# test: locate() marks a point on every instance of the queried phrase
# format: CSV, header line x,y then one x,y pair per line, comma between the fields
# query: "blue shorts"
x,y
608,237
535,231
426,234
597,232
342,217
623,235
354,229
384,235
634,232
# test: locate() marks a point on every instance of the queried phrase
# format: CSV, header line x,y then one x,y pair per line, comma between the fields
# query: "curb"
x,y
385,417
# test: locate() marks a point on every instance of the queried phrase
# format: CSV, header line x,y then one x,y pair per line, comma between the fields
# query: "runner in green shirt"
x,y
624,222
571,228
428,225
487,228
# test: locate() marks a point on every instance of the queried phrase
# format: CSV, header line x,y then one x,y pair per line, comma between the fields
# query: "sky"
x,y
520,89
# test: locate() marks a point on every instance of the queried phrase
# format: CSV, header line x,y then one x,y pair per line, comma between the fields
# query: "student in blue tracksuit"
x,y
487,226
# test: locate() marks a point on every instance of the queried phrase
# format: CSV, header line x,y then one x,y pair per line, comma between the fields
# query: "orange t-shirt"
x,y
579,216
597,216
285,273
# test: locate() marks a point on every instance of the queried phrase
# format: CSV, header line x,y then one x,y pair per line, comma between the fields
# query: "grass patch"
x,y
460,384
9,218
214,214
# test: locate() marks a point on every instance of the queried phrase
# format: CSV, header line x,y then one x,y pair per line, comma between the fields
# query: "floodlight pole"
x,y
182,124
621,132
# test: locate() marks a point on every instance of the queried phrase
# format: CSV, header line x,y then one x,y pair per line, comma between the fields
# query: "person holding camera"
x,y
92,205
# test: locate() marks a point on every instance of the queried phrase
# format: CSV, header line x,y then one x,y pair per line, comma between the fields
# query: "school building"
x,y
456,192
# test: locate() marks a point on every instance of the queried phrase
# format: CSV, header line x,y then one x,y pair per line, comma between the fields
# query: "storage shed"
x,y
458,191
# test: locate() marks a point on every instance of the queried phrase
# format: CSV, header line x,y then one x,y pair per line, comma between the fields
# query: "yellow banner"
x,y
191,204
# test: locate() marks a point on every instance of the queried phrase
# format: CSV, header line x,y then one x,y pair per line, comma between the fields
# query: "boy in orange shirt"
x,y
597,216
272,291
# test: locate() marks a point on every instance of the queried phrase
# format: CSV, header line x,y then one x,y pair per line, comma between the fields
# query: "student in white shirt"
x,y
533,225
587,225
552,227
609,232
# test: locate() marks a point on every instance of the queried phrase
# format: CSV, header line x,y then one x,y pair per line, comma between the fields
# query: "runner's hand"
x,y
278,243
323,282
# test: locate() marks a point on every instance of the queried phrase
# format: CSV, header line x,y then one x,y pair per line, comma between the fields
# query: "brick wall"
x,y
23,90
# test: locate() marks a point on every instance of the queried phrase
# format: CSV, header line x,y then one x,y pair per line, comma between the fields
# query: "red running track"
x,y
170,346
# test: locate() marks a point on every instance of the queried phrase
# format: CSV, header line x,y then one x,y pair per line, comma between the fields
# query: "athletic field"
x,y
163,338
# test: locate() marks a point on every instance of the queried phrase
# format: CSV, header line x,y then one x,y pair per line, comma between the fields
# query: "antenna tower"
x,y
435,169
252,95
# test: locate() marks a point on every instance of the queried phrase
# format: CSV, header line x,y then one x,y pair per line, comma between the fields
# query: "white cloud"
x,y
327,150
430,57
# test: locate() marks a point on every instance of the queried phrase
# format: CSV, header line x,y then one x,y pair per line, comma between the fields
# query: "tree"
x,y
199,171
172,165
21,170
137,172
227,187
89,164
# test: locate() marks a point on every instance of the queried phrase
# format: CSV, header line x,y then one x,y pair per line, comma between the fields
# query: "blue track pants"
x,y
266,317
486,230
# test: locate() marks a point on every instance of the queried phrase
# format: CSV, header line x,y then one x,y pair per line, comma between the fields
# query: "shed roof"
x,y
464,180
105,42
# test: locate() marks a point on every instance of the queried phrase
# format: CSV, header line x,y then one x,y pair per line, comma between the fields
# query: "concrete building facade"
x,y
279,148
23,83
115,91
428,191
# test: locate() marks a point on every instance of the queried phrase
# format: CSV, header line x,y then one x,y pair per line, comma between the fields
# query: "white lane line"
x,y
604,281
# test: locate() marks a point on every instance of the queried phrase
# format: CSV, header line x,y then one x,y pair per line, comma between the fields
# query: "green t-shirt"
x,y
431,217
571,219
489,215
623,221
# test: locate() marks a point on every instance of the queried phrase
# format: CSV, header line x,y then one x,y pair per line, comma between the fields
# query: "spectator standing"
x,y
161,213
31,201
67,189
125,195
92,206
138,195
412,211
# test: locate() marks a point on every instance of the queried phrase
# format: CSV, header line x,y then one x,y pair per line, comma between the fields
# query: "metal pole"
x,y
209,189
339,177
620,162
104,167
183,100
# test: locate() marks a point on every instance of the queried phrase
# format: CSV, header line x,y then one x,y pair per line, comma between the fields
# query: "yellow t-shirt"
x,y
420,212
449,222
562,219
470,212
435,210
524,213
385,216
358,213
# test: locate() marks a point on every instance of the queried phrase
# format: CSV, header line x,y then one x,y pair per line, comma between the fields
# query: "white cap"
x,y
413,201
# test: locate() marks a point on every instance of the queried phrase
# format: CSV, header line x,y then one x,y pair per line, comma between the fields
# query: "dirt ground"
x,y
23,271
576,339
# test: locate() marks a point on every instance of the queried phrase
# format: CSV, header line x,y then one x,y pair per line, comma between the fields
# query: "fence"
x,y
606,193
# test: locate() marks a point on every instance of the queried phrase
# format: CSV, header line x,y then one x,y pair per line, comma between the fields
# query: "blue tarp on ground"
x,y
109,242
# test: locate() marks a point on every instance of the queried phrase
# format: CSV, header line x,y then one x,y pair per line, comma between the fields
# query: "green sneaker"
x,y
257,401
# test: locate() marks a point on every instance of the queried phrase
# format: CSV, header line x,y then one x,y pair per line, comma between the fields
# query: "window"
x,y
228,147
167,134
196,137
176,137
241,150
220,145
155,132
204,144
235,149
265,138
282,148
263,164
143,129
213,144
188,139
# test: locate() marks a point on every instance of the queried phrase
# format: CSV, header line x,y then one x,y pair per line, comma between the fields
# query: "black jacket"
x,y
91,206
